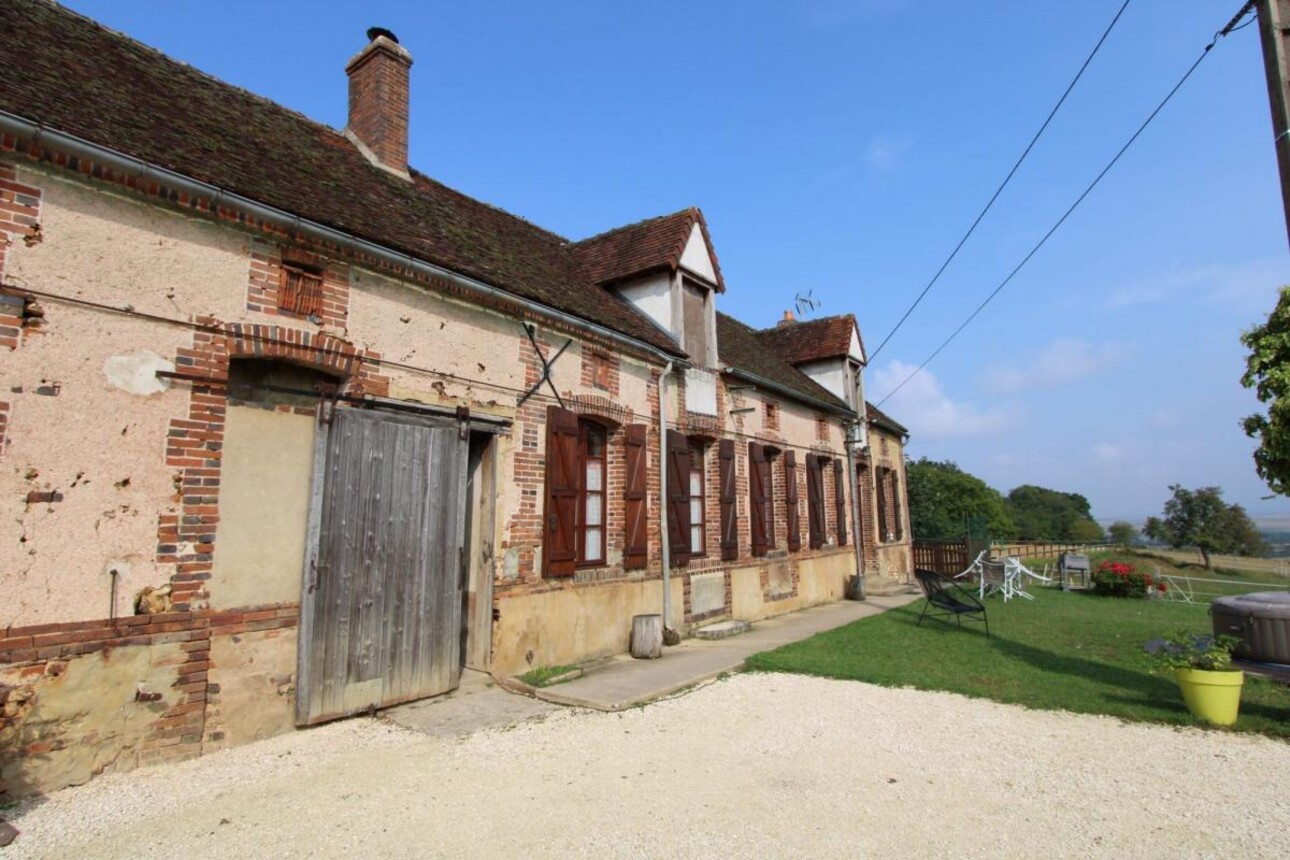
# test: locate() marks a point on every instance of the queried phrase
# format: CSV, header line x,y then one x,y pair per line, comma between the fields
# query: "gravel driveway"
x,y
751,766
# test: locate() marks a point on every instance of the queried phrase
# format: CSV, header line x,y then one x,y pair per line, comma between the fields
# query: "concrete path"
x,y
623,682
477,704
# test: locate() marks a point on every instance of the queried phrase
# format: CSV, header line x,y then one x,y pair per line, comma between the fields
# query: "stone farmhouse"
x,y
290,431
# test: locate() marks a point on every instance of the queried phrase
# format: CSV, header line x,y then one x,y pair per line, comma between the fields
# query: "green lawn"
x,y
1063,651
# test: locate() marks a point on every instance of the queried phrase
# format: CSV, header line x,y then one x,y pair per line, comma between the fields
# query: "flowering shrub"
x,y
1121,579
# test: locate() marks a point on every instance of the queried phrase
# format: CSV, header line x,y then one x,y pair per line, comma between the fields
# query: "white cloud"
x,y
1106,452
1061,361
886,152
1243,287
1163,419
925,409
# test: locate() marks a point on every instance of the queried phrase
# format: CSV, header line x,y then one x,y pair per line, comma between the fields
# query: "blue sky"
x,y
842,147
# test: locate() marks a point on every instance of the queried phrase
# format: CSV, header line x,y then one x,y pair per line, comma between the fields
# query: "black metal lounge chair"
x,y
946,597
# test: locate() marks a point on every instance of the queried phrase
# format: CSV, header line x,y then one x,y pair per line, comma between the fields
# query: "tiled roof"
x,y
739,347
73,75
882,419
655,244
803,341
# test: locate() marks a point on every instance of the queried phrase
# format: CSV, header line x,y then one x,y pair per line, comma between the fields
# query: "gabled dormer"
x,y
667,269
829,350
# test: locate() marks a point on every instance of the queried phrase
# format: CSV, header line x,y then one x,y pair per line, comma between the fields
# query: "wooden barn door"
x,y
381,610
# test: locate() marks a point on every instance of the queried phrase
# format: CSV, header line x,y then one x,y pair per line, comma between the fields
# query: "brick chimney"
x,y
378,100
787,320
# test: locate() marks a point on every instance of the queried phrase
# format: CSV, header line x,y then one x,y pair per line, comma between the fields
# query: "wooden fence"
x,y
1042,549
1275,566
946,557
949,557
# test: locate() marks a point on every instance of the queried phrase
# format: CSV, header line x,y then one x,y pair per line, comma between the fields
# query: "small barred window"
x,y
300,290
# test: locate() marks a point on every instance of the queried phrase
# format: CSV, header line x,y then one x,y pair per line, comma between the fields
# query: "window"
x,y
758,499
768,482
772,416
574,516
791,506
698,501
815,519
895,505
590,523
729,513
880,490
840,499
677,460
300,289
694,311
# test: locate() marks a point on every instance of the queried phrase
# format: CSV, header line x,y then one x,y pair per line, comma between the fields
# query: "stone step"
x,y
882,587
723,629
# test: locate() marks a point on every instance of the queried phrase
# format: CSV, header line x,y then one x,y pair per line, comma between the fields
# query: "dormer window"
x,y
696,314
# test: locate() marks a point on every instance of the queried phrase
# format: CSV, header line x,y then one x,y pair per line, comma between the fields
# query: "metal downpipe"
x,y
662,483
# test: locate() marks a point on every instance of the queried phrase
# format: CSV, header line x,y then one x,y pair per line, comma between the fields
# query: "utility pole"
x,y
1274,33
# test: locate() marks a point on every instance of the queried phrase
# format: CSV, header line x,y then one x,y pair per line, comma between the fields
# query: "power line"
x,y
1003,184
331,351
1220,34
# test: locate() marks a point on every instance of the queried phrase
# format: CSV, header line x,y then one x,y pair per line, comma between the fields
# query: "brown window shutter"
x,y
757,497
879,482
814,498
636,535
729,518
839,493
895,504
559,542
678,497
790,499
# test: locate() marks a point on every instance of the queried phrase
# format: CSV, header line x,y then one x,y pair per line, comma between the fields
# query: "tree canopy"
x,y
1122,532
942,497
1267,371
1044,514
1201,519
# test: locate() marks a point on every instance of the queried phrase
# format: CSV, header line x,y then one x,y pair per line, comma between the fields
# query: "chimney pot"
x,y
378,99
787,320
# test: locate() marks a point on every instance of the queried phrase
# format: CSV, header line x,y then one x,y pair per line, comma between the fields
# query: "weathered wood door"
x,y
381,610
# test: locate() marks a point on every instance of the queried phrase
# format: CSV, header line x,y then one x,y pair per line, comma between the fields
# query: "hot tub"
x,y
1260,620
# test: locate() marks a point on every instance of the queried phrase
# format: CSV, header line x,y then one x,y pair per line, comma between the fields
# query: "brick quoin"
x,y
19,222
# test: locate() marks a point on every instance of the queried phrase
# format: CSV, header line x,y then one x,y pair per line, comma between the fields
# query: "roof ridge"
x,y
688,210
133,98
265,101
797,322
209,78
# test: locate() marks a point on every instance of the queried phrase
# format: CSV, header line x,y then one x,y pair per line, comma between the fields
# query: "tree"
x,y
1044,514
1086,531
1267,371
1123,533
942,496
1201,518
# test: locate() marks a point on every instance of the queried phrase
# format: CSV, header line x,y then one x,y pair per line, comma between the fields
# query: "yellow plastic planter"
x,y
1214,697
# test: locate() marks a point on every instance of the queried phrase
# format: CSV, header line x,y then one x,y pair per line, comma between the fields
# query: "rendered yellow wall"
x,y
85,720
265,485
820,579
574,625
256,677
